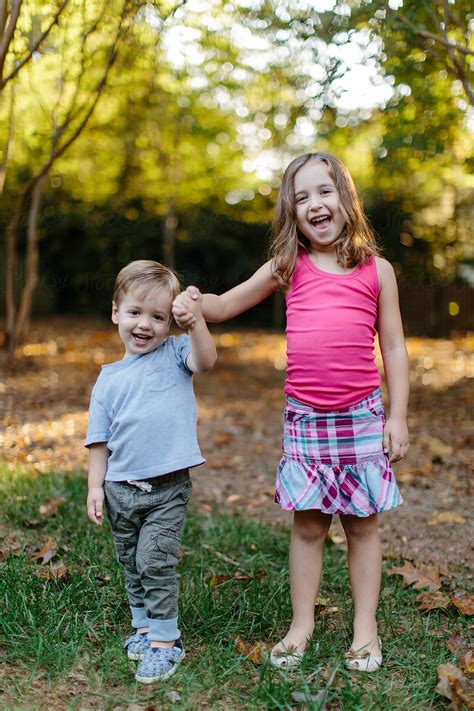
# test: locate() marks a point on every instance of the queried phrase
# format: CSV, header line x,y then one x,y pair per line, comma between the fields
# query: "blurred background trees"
x,y
161,130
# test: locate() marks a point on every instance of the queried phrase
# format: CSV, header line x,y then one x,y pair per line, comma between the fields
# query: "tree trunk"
x,y
31,261
12,232
169,236
9,141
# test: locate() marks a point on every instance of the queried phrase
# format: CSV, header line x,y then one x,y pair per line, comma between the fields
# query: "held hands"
x,y
395,438
95,501
187,307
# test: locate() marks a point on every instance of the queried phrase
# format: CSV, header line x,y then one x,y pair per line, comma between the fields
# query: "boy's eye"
x,y
133,313
158,318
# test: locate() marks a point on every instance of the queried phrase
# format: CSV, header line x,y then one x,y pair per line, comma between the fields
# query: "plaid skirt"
x,y
334,461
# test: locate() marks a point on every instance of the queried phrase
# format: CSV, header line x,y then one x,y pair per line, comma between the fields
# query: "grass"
x,y
61,640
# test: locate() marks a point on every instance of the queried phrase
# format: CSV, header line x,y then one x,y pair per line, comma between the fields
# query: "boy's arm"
x,y
203,349
395,360
241,297
187,311
98,458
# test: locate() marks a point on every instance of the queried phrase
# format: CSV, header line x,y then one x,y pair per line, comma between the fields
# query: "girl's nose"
x,y
315,202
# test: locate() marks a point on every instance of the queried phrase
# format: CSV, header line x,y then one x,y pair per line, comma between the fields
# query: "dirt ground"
x,y
44,415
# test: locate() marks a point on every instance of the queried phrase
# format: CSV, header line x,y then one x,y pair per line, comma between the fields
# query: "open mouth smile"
x,y
321,222
141,339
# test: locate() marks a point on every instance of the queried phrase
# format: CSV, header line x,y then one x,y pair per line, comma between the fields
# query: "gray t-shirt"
x,y
144,408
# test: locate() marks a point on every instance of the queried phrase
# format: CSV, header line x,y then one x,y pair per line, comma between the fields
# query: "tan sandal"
x,y
363,660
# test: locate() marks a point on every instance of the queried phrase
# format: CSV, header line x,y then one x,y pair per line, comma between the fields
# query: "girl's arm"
x,y
240,298
98,458
395,361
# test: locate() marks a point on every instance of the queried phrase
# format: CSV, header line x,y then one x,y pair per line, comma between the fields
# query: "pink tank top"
x,y
330,329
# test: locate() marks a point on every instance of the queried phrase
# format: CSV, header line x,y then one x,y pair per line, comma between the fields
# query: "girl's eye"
x,y
159,318
325,191
300,198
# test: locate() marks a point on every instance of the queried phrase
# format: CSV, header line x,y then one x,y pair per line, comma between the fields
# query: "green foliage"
x,y
206,103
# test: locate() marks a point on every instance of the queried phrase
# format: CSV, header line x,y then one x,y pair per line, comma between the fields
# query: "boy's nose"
x,y
144,322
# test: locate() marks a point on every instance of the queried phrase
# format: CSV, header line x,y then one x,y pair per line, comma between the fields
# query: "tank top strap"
x,y
368,272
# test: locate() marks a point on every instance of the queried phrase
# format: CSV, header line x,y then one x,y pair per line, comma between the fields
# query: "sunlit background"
x,y
162,130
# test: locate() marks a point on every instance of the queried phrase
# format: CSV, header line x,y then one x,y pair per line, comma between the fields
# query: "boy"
x,y
142,441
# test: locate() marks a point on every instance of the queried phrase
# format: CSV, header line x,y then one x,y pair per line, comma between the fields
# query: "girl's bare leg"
x,y
306,558
365,568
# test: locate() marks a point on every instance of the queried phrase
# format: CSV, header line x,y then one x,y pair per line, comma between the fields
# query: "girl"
x,y
337,446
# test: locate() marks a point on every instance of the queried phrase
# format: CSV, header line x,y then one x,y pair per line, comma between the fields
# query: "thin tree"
x,y
65,133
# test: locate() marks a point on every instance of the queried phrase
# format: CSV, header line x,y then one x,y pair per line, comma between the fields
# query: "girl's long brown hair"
x,y
357,241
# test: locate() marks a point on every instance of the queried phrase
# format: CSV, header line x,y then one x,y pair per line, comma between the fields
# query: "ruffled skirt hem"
x,y
361,488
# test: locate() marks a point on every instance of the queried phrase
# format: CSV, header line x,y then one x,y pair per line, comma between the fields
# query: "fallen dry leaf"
x,y
223,438
456,642
321,601
324,603
437,447
249,576
407,474
464,690
51,506
238,575
219,579
256,653
438,517
10,546
266,491
54,572
432,601
46,553
464,602
102,580
466,661
447,675
233,498
335,537
425,576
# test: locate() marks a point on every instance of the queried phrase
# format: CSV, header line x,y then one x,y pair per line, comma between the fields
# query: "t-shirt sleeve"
x,y
181,346
98,428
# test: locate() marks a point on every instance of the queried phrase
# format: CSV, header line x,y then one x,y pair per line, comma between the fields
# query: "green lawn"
x,y
61,640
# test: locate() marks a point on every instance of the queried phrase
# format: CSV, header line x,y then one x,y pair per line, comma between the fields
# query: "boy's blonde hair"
x,y
357,242
145,276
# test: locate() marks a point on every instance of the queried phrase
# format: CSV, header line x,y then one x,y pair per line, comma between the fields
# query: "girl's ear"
x,y
114,315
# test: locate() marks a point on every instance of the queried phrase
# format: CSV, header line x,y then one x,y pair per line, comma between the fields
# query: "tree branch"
x,y
430,35
3,15
8,35
35,47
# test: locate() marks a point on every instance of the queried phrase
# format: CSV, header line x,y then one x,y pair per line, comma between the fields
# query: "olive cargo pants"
x,y
147,519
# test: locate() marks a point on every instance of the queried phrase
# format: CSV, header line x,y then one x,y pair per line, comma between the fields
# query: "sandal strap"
x,y
351,654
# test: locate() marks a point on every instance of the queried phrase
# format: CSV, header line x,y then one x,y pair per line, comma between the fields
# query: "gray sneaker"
x,y
137,645
158,664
